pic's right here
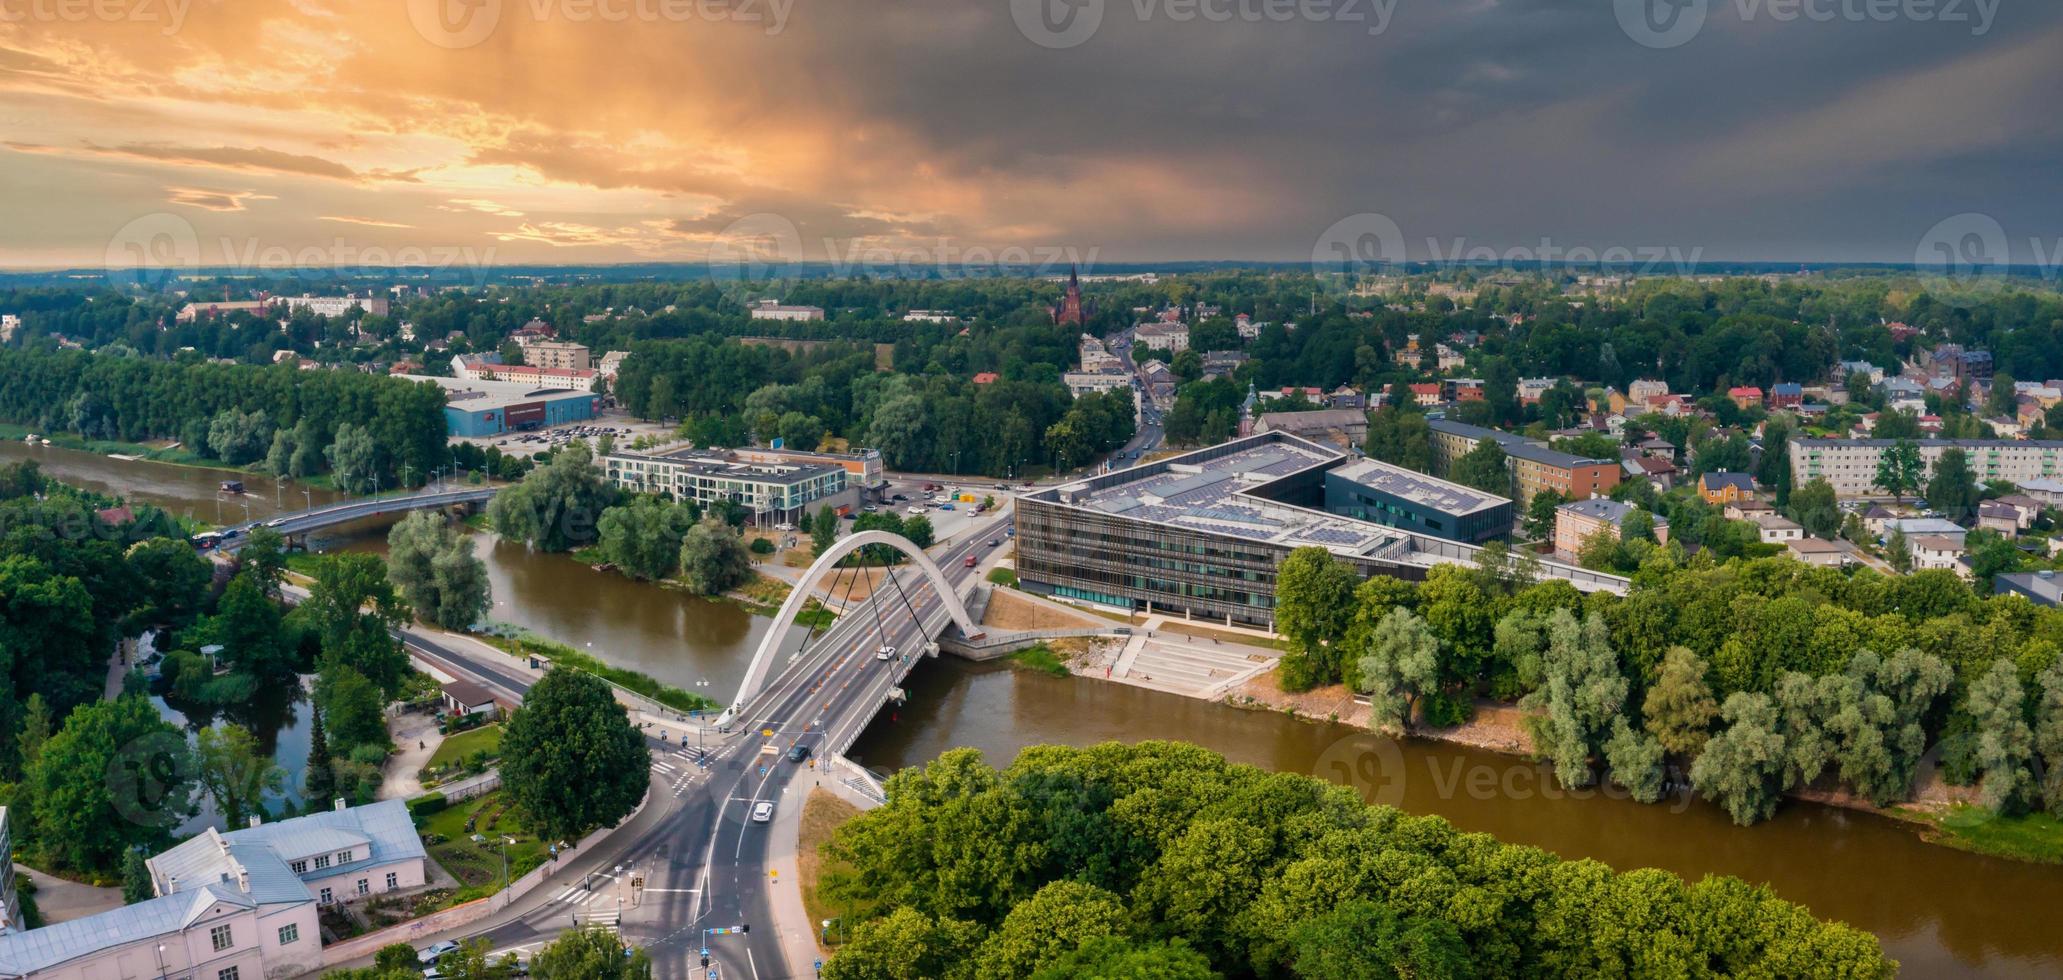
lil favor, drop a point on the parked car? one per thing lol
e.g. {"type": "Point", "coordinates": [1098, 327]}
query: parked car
{"type": "Point", "coordinates": [762, 812]}
{"type": "Point", "coordinates": [995, 542]}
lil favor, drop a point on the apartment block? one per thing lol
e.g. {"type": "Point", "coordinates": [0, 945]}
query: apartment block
{"type": "Point", "coordinates": [1851, 464]}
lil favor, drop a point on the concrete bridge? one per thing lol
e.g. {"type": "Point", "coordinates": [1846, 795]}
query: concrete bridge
{"type": "Point", "coordinates": [303, 523]}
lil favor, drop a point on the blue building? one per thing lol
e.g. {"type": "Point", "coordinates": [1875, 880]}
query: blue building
{"type": "Point", "coordinates": [1375, 491]}
{"type": "Point", "coordinates": [491, 408]}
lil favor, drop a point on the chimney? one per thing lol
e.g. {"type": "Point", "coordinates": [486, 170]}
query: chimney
{"type": "Point", "coordinates": [340, 804]}
{"type": "Point", "coordinates": [256, 820]}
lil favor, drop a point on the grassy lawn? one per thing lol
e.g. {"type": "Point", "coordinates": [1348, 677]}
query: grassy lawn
{"type": "Point", "coordinates": [561, 654]}
{"type": "Point", "coordinates": [822, 814]}
{"type": "Point", "coordinates": [1003, 576]}
{"type": "Point", "coordinates": [459, 747]}
{"type": "Point", "coordinates": [478, 866]}
{"type": "Point", "coordinates": [1040, 658]}
{"type": "Point", "coordinates": [2034, 836]}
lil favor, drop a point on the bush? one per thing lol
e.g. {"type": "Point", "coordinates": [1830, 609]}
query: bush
{"type": "Point", "coordinates": [762, 546]}
{"type": "Point", "coordinates": [426, 805]}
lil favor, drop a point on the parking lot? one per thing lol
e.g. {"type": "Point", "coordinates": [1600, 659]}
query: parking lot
{"type": "Point", "coordinates": [622, 426]}
{"type": "Point", "coordinates": [946, 523]}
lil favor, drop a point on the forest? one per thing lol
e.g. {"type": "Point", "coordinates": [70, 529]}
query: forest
{"type": "Point", "coordinates": [1163, 860]}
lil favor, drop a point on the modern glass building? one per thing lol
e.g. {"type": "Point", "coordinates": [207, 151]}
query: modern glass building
{"type": "Point", "coordinates": [1201, 535]}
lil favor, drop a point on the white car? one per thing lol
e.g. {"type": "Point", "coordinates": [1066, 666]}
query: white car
{"type": "Point", "coordinates": [885, 653]}
{"type": "Point", "coordinates": [275, 522]}
{"type": "Point", "coordinates": [762, 812]}
{"type": "Point", "coordinates": [435, 951]}
{"type": "Point", "coordinates": [784, 527]}
{"type": "Point", "coordinates": [914, 511]}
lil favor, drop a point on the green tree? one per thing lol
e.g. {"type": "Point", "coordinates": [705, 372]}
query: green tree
{"type": "Point", "coordinates": [1363, 940]}
{"type": "Point", "coordinates": [351, 608]}
{"type": "Point", "coordinates": [1742, 768]}
{"type": "Point", "coordinates": [801, 432]}
{"type": "Point", "coordinates": [1540, 513]}
{"type": "Point", "coordinates": [353, 459]}
{"type": "Point", "coordinates": [713, 558]}
{"type": "Point", "coordinates": [353, 708]}
{"type": "Point", "coordinates": [247, 623]}
{"type": "Point", "coordinates": [1898, 552]}
{"type": "Point", "coordinates": [1116, 956]}
{"type": "Point", "coordinates": [1484, 468]}
{"type": "Point", "coordinates": [1055, 921]}
{"type": "Point", "coordinates": [1399, 664]}
{"type": "Point", "coordinates": [317, 785]}
{"type": "Point", "coordinates": [2048, 736]}
{"type": "Point", "coordinates": [918, 530]}
{"type": "Point", "coordinates": [1399, 434]}
{"type": "Point", "coordinates": [591, 954]}
{"type": "Point", "coordinates": [264, 555]}
{"type": "Point", "coordinates": [643, 537]}
{"type": "Point", "coordinates": [1814, 506]}
{"type": "Point", "coordinates": [115, 776]}
{"type": "Point", "coordinates": [136, 884]}
{"type": "Point", "coordinates": [2004, 742]}
{"type": "Point", "coordinates": [1582, 690]}
{"type": "Point", "coordinates": [1952, 489]}
{"type": "Point", "coordinates": [432, 565]}
{"type": "Point", "coordinates": [905, 944]}
{"type": "Point", "coordinates": [1314, 604]}
{"type": "Point", "coordinates": [235, 773]}
{"type": "Point", "coordinates": [571, 732]}
{"type": "Point", "coordinates": [1899, 468]}
{"type": "Point", "coordinates": [823, 532]}
{"type": "Point", "coordinates": [175, 582]}
{"type": "Point", "coordinates": [237, 437]}
{"type": "Point", "coordinates": [1876, 716]}
{"type": "Point", "coordinates": [557, 506]}
{"type": "Point", "coordinates": [1679, 708]}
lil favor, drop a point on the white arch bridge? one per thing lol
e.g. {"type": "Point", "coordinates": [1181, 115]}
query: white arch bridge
{"type": "Point", "coordinates": [827, 564]}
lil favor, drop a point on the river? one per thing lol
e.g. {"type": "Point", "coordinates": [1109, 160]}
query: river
{"type": "Point", "coordinates": [1938, 910]}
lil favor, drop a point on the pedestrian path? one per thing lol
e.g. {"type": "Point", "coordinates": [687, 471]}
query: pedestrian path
{"type": "Point", "coordinates": [1178, 663]}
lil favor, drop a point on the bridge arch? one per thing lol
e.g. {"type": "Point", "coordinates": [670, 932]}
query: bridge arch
{"type": "Point", "coordinates": [784, 621]}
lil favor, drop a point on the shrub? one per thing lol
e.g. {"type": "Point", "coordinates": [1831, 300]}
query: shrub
{"type": "Point", "coordinates": [426, 805]}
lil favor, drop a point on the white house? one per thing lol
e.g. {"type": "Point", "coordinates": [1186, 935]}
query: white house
{"type": "Point", "coordinates": [1778, 529]}
{"type": "Point", "coordinates": [233, 906]}
{"type": "Point", "coordinates": [1937, 551]}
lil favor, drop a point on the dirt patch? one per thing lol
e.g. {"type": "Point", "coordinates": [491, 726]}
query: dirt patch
{"type": "Point", "coordinates": [1010, 610]}
{"type": "Point", "coordinates": [822, 814]}
{"type": "Point", "coordinates": [1496, 726]}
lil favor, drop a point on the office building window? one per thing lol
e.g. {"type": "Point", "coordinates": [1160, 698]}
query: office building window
{"type": "Point", "coordinates": [322, 861]}
{"type": "Point", "coordinates": [289, 934]}
{"type": "Point", "coordinates": [220, 937]}
{"type": "Point", "coordinates": [300, 867]}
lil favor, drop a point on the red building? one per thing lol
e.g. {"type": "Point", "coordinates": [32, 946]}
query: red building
{"type": "Point", "coordinates": [1070, 312]}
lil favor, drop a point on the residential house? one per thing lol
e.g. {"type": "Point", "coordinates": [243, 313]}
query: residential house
{"type": "Point", "coordinates": [1425, 394]}
{"type": "Point", "coordinates": [1172, 337]}
{"type": "Point", "coordinates": [1530, 389]}
{"type": "Point", "coordinates": [1778, 529]}
{"type": "Point", "coordinates": [1448, 359]}
{"type": "Point", "coordinates": [2040, 587]}
{"type": "Point", "coordinates": [1747, 509]}
{"type": "Point", "coordinates": [1345, 396]}
{"type": "Point", "coordinates": [1645, 388]}
{"type": "Point", "coordinates": [1995, 516]}
{"type": "Point", "coordinates": [1466, 389]}
{"type": "Point", "coordinates": [1656, 447]}
{"type": "Point", "coordinates": [1660, 473]}
{"type": "Point", "coordinates": [1745, 396]}
{"type": "Point", "coordinates": [1578, 521]}
{"type": "Point", "coordinates": [463, 697]}
{"type": "Point", "coordinates": [1929, 527]}
{"type": "Point", "coordinates": [1725, 488]}
{"type": "Point", "coordinates": [1786, 395]}
{"type": "Point", "coordinates": [1936, 551]}
{"type": "Point", "coordinates": [1826, 554]}
{"type": "Point", "coordinates": [1848, 369]}
{"type": "Point", "coordinates": [2026, 509]}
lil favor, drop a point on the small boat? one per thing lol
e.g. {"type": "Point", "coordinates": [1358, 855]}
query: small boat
{"type": "Point", "coordinates": [232, 486]}
{"type": "Point", "coordinates": [30, 438]}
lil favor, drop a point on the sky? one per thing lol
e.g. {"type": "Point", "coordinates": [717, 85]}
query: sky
{"type": "Point", "coordinates": [878, 133]}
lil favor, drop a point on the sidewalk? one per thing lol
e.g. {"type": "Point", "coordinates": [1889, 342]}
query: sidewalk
{"type": "Point", "coordinates": [62, 900]}
{"type": "Point", "coordinates": [417, 737]}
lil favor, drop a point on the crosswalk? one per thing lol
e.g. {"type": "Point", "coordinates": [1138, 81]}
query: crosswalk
{"type": "Point", "coordinates": [596, 893]}
{"type": "Point", "coordinates": [679, 771]}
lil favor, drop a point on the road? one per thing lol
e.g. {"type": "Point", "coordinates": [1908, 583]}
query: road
{"type": "Point", "coordinates": [302, 522]}
{"type": "Point", "coordinates": [1150, 434]}
{"type": "Point", "coordinates": [703, 861]}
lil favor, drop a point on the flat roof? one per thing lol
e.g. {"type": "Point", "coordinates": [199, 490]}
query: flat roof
{"type": "Point", "coordinates": [475, 396]}
{"type": "Point", "coordinates": [1426, 491]}
{"type": "Point", "coordinates": [1209, 495]}
{"type": "Point", "coordinates": [705, 463]}
{"type": "Point", "coordinates": [1930, 443]}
